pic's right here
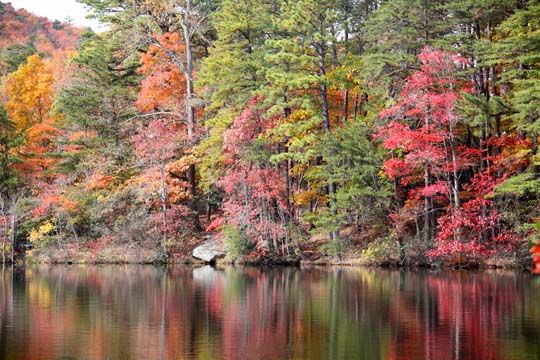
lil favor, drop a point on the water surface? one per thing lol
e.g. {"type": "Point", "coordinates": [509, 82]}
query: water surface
{"type": "Point", "coordinates": [145, 312]}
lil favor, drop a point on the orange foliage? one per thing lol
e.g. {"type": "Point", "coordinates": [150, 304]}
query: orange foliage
{"type": "Point", "coordinates": [51, 199]}
{"type": "Point", "coordinates": [21, 26]}
{"type": "Point", "coordinates": [62, 67]}
{"type": "Point", "coordinates": [30, 93]}
{"type": "Point", "coordinates": [165, 83]}
{"type": "Point", "coordinates": [98, 182]}
{"type": "Point", "coordinates": [149, 182]}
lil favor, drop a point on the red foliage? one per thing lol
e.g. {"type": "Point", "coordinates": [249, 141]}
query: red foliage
{"type": "Point", "coordinates": [428, 160]}
{"type": "Point", "coordinates": [256, 200]}
{"type": "Point", "coordinates": [422, 133]}
{"type": "Point", "coordinates": [478, 222]}
{"type": "Point", "coordinates": [179, 219]}
{"type": "Point", "coordinates": [52, 199]}
{"type": "Point", "coordinates": [157, 141]}
{"type": "Point", "coordinates": [423, 124]}
{"type": "Point", "coordinates": [157, 144]}
{"type": "Point", "coordinates": [535, 254]}
{"type": "Point", "coordinates": [216, 224]}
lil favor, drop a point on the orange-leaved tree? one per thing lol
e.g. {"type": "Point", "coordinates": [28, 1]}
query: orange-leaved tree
{"type": "Point", "coordinates": [30, 93]}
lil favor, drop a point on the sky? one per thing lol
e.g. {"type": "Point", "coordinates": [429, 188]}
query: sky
{"type": "Point", "coordinates": [57, 10]}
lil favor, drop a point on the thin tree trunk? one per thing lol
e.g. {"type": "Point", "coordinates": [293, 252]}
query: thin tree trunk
{"type": "Point", "coordinates": [346, 105]}
{"type": "Point", "coordinates": [364, 103]}
{"type": "Point", "coordinates": [4, 239]}
{"type": "Point", "coordinates": [12, 237]}
{"type": "Point", "coordinates": [495, 92]}
{"type": "Point", "coordinates": [455, 190]}
{"type": "Point", "coordinates": [346, 29]}
{"type": "Point", "coordinates": [288, 180]}
{"type": "Point", "coordinates": [163, 205]}
{"type": "Point", "coordinates": [427, 203]}
{"type": "Point", "coordinates": [356, 100]}
{"type": "Point", "coordinates": [326, 123]}
{"type": "Point", "coordinates": [190, 109]}
{"type": "Point", "coordinates": [427, 220]}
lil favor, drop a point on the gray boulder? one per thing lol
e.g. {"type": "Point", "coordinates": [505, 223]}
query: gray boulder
{"type": "Point", "coordinates": [209, 251]}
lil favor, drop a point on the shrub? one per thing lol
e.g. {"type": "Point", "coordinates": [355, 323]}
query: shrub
{"type": "Point", "coordinates": [237, 243]}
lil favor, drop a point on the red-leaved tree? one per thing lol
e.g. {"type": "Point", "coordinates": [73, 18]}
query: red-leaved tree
{"type": "Point", "coordinates": [427, 158]}
{"type": "Point", "coordinates": [255, 204]}
{"type": "Point", "coordinates": [157, 144]}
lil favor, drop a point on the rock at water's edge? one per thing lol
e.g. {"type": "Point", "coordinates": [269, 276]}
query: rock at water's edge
{"type": "Point", "coordinates": [209, 251]}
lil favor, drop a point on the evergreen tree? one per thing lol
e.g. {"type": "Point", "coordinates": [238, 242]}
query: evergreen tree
{"type": "Point", "coordinates": [14, 55]}
{"type": "Point", "coordinates": [231, 73]}
{"type": "Point", "coordinates": [353, 161]}
{"type": "Point", "coordinates": [10, 139]}
{"type": "Point", "coordinates": [100, 98]}
{"type": "Point", "coordinates": [519, 52]}
{"type": "Point", "coordinates": [394, 34]}
{"type": "Point", "coordinates": [298, 79]}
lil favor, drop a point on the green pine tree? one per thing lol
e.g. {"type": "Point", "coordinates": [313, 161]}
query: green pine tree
{"type": "Point", "coordinates": [230, 75]}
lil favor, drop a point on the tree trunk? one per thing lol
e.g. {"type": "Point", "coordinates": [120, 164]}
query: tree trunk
{"type": "Point", "coordinates": [495, 92]}
{"type": "Point", "coordinates": [208, 212]}
{"type": "Point", "coordinates": [356, 100]}
{"type": "Point", "coordinates": [4, 239]}
{"type": "Point", "coordinates": [326, 122]}
{"type": "Point", "coordinates": [455, 189]}
{"type": "Point", "coordinates": [12, 236]}
{"type": "Point", "coordinates": [163, 205]}
{"type": "Point", "coordinates": [427, 220]}
{"type": "Point", "coordinates": [190, 108]}
{"type": "Point", "coordinates": [288, 180]}
{"type": "Point", "coordinates": [346, 105]}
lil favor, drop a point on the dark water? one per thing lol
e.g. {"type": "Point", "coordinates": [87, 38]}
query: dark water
{"type": "Point", "coordinates": [144, 312]}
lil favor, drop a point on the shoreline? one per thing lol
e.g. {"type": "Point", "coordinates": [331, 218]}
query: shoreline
{"type": "Point", "coordinates": [283, 262]}
{"type": "Point", "coordinates": [309, 256]}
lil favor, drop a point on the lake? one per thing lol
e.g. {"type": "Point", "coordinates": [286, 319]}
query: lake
{"type": "Point", "coordinates": [182, 312]}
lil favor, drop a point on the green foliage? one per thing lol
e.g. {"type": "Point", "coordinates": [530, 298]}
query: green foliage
{"type": "Point", "coordinates": [238, 244]}
{"type": "Point", "coordinates": [533, 231]}
{"type": "Point", "coordinates": [394, 34]}
{"type": "Point", "coordinates": [231, 74]}
{"type": "Point", "coordinates": [519, 197]}
{"type": "Point", "coordinates": [10, 140]}
{"type": "Point", "coordinates": [100, 97]}
{"type": "Point", "coordinates": [519, 50]}
{"type": "Point", "coordinates": [381, 250]}
{"type": "Point", "coordinates": [353, 161]}
{"type": "Point", "coordinates": [300, 57]}
{"type": "Point", "coordinates": [479, 110]}
{"type": "Point", "coordinates": [525, 184]}
{"type": "Point", "coordinates": [232, 71]}
{"type": "Point", "coordinates": [405, 27]}
{"type": "Point", "coordinates": [14, 55]}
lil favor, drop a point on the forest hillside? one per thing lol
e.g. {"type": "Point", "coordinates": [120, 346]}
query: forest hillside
{"type": "Point", "coordinates": [397, 132]}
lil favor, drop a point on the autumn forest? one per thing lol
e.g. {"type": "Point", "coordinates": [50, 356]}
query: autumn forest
{"type": "Point", "coordinates": [399, 132]}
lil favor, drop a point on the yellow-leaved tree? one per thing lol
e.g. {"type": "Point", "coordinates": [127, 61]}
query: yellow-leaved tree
{"type": "Point", "coordinates": [30, 93]}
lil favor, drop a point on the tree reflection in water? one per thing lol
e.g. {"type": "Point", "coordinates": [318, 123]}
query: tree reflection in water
{"type": "Point", "coordinates": [145, 312]}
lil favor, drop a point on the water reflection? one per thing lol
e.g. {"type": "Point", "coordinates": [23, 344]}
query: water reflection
{"type": "Point", "coordinates": [144, 312]}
